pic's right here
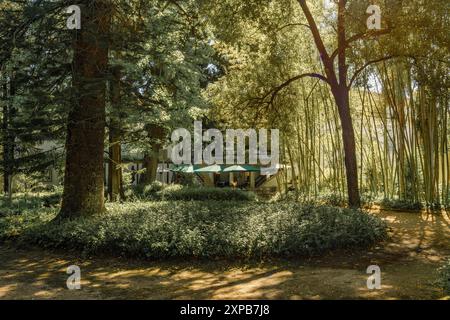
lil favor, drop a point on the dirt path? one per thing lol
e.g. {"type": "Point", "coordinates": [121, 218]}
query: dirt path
{"type": "Point", "coordinates": [408, 262]}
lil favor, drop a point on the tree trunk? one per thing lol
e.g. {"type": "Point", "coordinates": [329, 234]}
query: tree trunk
{"type": "Point", "coordinates": [114, 168]}
{"type": "Point", "coordinates": [115, 186]}
{"type": "Point", "coordinates": [151, 159]}
{"type": "Point", "coordinates": [341, 96]}
{"type": "Point", "coordinates": [84, 176]}
{"type": "Point", "coordinates": [151, 165]}
{"type": "Point", "coordinates": [8, 137]}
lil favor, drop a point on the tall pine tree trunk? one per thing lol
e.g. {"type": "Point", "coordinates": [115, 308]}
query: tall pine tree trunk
{"type": "Point", "coordinates": [84, 176]}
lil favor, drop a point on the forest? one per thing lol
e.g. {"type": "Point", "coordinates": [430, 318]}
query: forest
{"type": "Point", "coordinates": [348, 100]}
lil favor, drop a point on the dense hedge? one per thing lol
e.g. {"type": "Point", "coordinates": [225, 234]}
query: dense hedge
{"type": "Point", "coordinates": [201, 229]}
{"type": "Point", "coordinates": [156, 191]}
{"type": "Point", "coordinates": [402, 205]}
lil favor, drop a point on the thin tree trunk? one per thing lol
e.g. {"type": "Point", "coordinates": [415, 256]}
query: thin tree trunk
{"type": "Point", "coordinates": [115, 189]}
{"type": "Point", "coordinates": [151, 159]}
{"type": "Point", "coordinates": [8, 143]}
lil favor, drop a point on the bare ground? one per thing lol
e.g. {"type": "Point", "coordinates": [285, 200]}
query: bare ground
{"type": "Point", "coordinates": [418, 244]}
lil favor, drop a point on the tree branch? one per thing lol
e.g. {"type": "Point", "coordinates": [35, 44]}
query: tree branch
{"type": "Point", "coordinates": [293, 25]}
{"type": "Point", "coordinates": [357, 73]}
{"type": "Point", "coordinates": [359, 36]}
{"type": "Point", "coordinates": [274, 92]}
{"type": "Point", "coordinates": [325, 57]}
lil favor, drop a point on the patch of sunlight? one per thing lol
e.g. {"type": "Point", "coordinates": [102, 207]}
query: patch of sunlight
{"type": "Point", "coordinates": [7, 289]}
{"type": "Point", "coordinates": [391, 219]}
{"type": "Point", "coordinates": [131, 273]}
{"type": "Point", "coordinates": [265, 286]}
{"type": "Point", "coordinates": [44, 276]}
{"type": "Point", "coordinates": [189, 274]}
{"type": "Point", "coordinates": [44, 294]}
{"type": "Point", "coordinates": [122, 286]}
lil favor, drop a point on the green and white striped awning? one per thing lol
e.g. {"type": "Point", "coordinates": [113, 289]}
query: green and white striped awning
{"type": "Point", "coordinates": [215, 168]}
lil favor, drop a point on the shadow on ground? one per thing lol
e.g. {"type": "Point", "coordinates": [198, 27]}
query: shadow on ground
{"type": "Point", "coordinates": [418, 244]}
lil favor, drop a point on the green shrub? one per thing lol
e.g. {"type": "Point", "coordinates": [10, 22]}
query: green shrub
{"type": "Point", "coordinates": [52, 200]}
{"type": "Point", "coordinates": [333, 199]}
{"type": "Point", "coordinates": [399, 204]}
{"type": "Point", "coordinates": [324, 199]}
{"type": "Point", "coordinates": [202, 229]}
{"type": "Point", "coordinates": [445, 276]}
{"type": "Point", "coordinates": [23, 211]}
{"type": "Point", "coordinates": [14, 224]}
{"type": "Point", "coordinates": [153, 188]}
{"type": "Point", "coordinates": [145, 191]}
{"type": "Point", "coordinates": [156, 191]}
{"type": "Point", "coordinates": [183, 193]}
{"type": "Point", "coordinates": [23, 201]}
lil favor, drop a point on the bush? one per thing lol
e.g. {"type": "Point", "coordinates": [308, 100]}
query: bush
{"type": "Point", "coordinates": [398, 204]}
{"type": "Point", "coordinates": [24, 201]}
{"type": "Point", "coordinates": [14, 224]}
{"type": "Point", "coordinates": [23, 211]}
{"type": "Point", "coordinates": [324, 199]}
{"type": "Point", "coordinates": [143, 191]}
{"type": "Point", "coordinates": [156, 191]}
{"type": "Point", "coordinates": [177, 192]}
{"type": "Point", "coordinates": [445, 276]}
{"type": "Point", "coordinates": [203, 229]}
{"type": "Point", "coordinates": [333, 199]}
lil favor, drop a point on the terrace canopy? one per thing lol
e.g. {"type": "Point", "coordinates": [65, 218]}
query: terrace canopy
{"type": "Point", "coordinates": [185, 168]}
{"type": "Point", "coordinates": [215, 168]}
{"type": "Point", "coordinates": [242, 168]}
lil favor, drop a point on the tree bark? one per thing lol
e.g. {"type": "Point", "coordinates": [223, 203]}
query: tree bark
{"type": "Point", "coordinates": [84, 173]}
{"type": "Point", "coordinates": [151, 159]}
{"type": "Point", "coordinates": [8, 144]}
{"type": "Point", "coordinates": [115, 185]}
{"type": "Point", "coordinates": [151, 165]}
{"type": "Point", "coordinates": [341, 95]}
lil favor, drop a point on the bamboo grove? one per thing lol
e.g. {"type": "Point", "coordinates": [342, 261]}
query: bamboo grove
{"type": "Point", "coordinates": [399, 103]}
{"type": "Point", "coordinates": [402, 141]}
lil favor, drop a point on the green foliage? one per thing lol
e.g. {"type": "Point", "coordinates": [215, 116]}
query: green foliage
{"type": "Point", "coordinates": [161, 49]}
{"type": "Point", "coordinates": [22, 212]}
{"type": "Point", "coordinates": [177, 192]}
{"type": "Point", "coordinates": [142, 191]}
{"type": "Point", "coordinates": [200, 229]}
{"type": "Point", "coordinates": [445, 276]}
{"type": "Point", "coordinates": [322, 199]}
{"type": "Point", "coordinates": [400, 204]}
{"type": "Point", "coordinates": [152, 188]}
{"type": "Point", "coordinates": [156, 191]}
{"type": "Point", "coordinates": [24, 201]}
